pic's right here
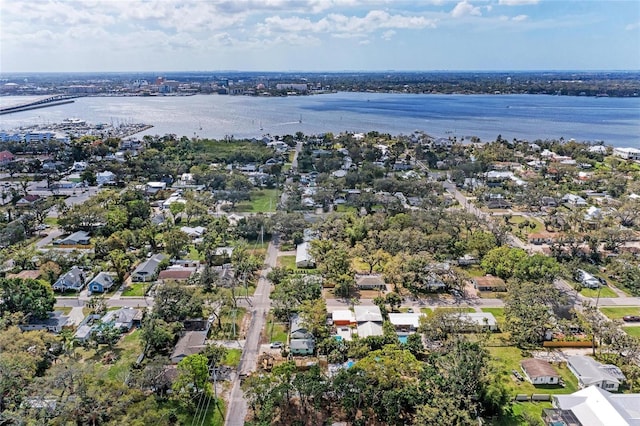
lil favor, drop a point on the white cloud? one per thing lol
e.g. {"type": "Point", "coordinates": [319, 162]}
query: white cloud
{"type": "Point", "coordinates": [632, 27]}
{"type": "Point", "coordinates": [517, 2]}
{"type": "Point", "coordinates": [338, 24]}
{"type": "Point", "coordinates": [464, 8]}
{"type": "Point", "coordinates": [520, 18]}
{"type": "Point", "coordinates": [388, 35]}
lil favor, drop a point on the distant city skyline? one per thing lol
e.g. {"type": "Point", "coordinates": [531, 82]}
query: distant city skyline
{"type": "Point", "coordinates": [318, 35]}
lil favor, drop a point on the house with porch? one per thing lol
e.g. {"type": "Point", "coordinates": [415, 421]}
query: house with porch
{"type": "Point", "coordinates": [147, 270]}
{"type": "Point", "coordinates": [593, 373]}
{"type": "Point", "coordinates": [73, 280]}
{"type": "Point", "coordinates": [101, 283]}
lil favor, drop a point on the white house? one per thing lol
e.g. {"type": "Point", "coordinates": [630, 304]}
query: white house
{"type": "Point", "coordinates": [627, 153]}
{"type": "Point", "coordinates": [593, 373]}
{"type": "Point", "coordinates": [406, 322]}
{"type": "Point", "coordinates": [369, 319]}
{"type": "Point", "coordinates": [303, 257]}
{"type": "Point", "coordinates": [539, 372]}
{"type": "Point", "coordinates": [594, 406]}
{"type": "Point", "coordinates": [574, 200]}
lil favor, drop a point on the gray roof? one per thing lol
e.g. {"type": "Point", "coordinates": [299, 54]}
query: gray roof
{"type": "Point", "coordinates": [73, 279]}
{"type": "Point", "coordinates": [76, 236]}
{"type": "Point", "coordinates": [367, 313]}
{"type": "Point", "coordinates": [192, 342]}
{"type": "Point", "coordinates": [104, 279]}
{"type": "Point", "coordinates": [150, 266]}
{"type": "Point", "coordinates": [590, 371]}
{"type": "Point", "coordinates": [594, 406]}
{"type": "Point", "coordinates": [122, 317]}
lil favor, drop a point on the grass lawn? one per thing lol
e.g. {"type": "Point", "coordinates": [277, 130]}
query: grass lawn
{"type": "Point", "coordinates": [194, 254]}
{"type": "Point", "coordinates": [604, 292]}
{"type": "Point", "coordinates": [619, 312]}
{"type": "Point", "coordinates": [517, 220]}
{"type": "Point", "coordinates": [128, 349]}
{"type": "Point", "coordinates": [632, 331]}
{"type": "Point", "coordinates": [262, 201]}
{"type": "Point", "coordinates": [51, 221]}
{"type": "Point", "coordinates": [276, 331]}
{"type": "Point", "coordinates": [288, 262]}
{"type": "Point", "coordinates": [498, 313]}
{"type": "Point", "coordinates": [135, 290]}
{"type": "Point", "coordinates": [474, 271]}
{"type": "Point", "coordinates": [346, 209]}
{"type": "Point", "coordinates": [228, 319]}
{"type": "Point", "coordinates": [64, 309]}
{"type": "Point", "coordinates": [232, 358]}
{"type": "Point", "coordinates": [213, 417]}
{"type": "Point", "coordinates": [518, 412]}
{"type": "Point", "coordinates": [507, 358]}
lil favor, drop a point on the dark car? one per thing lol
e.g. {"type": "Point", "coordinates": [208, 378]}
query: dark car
{"type": "Point", "coordinates": [631, 318]}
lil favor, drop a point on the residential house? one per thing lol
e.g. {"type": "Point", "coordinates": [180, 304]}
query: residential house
{"type": "Point", "coordinates": [539, 372]}
{"type": "Point", "coordinates": [79, 166]}
{"type": "Point", "coordinates": [301, 341]}
{"type": "Point", "coordinates": [593, 406]}
{"type": "Point", "coordinates": [489, 283]}
{"type": "Point", "coordinates": [53, 323]}
{"type": "Point", "coordinates": [484, 320]}
{"type": "Point", "coordinates": [101, 283]}
{"type": "Point", "coordinates": [73, 279]}
{"type": "Point", "coordinates": [124, 318]}
{"type": "Point", "coordinates": [542, 237]}
{"type": "Point", "coordinates": [627, 153]}
{"type": "Point", "coordinates": [303, 257]}
{"type": "Point", "coordinates": [301, 347]}
{"type": "Point", "coordinates": [194, 232]}
{"type": "Point", "coordinates": [78, 238]}
{"type": "Point", "coordinates": [343, 317]}
{"type": "Point", "coordinates": [174, 273]}
{"type": "Point", "coordinates": [6, 157]}
{"type": "Point", "coordinates": [592, 373]}
{"type": "Point", "coordinates": [598, 149]}
{"type": "Point", "coordinates": [222, 255]}
{"type": "Point", "coordinates": [370, 282]}
{"type": "Point", "coordinates": [574, 200]}
{"type": "Point", "coordinates": [28, 200]}
{"type": "Point", "coordinates": [153, 187]}
{"type": "Point", "coordinates": [369, 319]}
{"type": "Point", "coordinates": [497, 203]}
{"type": "Point", "coordinates": [147, 270]}
{"type": "Point", "coordinates": [405, 322]}
{"type": "Point", "coordinates": [105, 178]}
{"type": "Point", "coordinates": [192, 342]}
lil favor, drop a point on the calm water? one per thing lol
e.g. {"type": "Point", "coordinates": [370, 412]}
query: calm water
{"type": "Point", "coordinates": [615, 121]}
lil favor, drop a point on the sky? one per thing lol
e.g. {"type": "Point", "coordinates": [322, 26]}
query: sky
{"type": "Point", "coordinates": [318, 35]}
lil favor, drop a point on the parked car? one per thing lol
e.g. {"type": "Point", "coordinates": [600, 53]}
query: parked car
{"type": "Point", "coordinates": [517, 375]}
{"type": "Point", "coordinates": [631, 318]}
{"type": "Point", "coordinates": [276, 345]}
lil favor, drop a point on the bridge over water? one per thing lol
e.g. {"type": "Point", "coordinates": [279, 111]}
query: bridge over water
{"type": "Point", "coordinates": [38, 103]}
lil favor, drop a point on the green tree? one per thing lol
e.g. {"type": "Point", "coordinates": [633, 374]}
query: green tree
{"type": "Point", "coordinates": [29, 297]}
{"type": "Point", "coordinates": [175, 241]}
{"type": "Point", "coordinates": [193, 379]}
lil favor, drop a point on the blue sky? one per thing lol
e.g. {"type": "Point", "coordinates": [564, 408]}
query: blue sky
{"type": "Point", "coordinates": [318, 35]}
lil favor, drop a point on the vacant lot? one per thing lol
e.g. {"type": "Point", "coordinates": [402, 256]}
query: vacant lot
{"type": "Point", "coordinates": [619, 312]}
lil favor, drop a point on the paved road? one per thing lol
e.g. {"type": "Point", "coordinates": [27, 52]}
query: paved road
{"type": "Point", "coordinates": [237, 409]}
{"type": "Point", "coordinates": [561, 284]}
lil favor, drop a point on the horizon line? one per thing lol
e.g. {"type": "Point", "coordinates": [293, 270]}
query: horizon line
{"type": "Point", "coordinates": [328, 71]}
